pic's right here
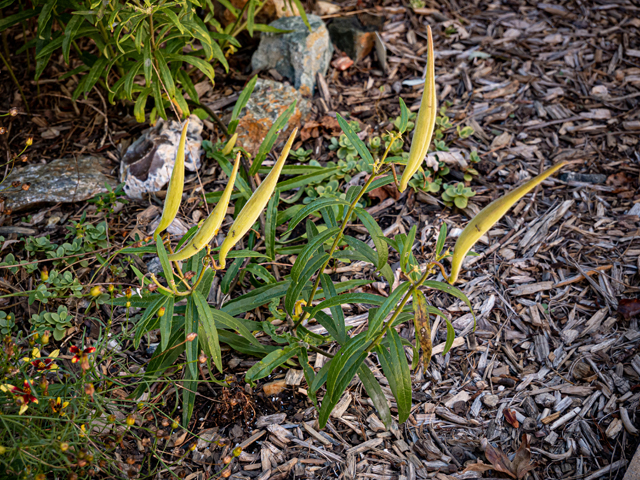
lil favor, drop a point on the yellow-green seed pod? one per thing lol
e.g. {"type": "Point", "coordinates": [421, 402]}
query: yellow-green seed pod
{"type": "Point", "coordinates": [211, 225]}
{"type": "Point", "coordinates": [488, 216]}
{"type": "Point", "coordinates": [228, 148]}
{"type": "Point", "coordinates": [426, 119]}
{"type": "Point", "coordinates": [256, 204]}
{"type": "Point", "coordinates": [176, 185]}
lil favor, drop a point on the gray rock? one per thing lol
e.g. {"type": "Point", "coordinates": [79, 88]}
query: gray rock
{"type": "Point", "coordinates": [352, 37]}
{"type": "Point", "coordinates": [61, 181]}
{"type": "Point", "coordinates": [154, 266]}
{"type": "Point", "coordinates": [268, 100]}
{"type": "Point", "coordinates": [147, 164]}
{"type": "Point", "coordinates": [298, 55]}
{"type": "Point", "coordinates": [490, 400]}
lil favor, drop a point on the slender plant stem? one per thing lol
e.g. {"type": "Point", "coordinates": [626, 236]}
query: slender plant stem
{"type": "Point", "coordinates": [320, 351]}
{"type": "Point", "coordinates": [352, 207]}
{"type": "Point", "coordinates": [404, 301]}
{"type": "Point", "coordinates": [333, 248]}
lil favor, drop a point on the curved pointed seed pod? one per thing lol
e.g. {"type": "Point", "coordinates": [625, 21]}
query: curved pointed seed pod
{"type": "Point", "coordinates": [211, 225]}
{"type": "Point", "coordinates": [256, 204]}
{"type": "Point", "coordinates": [426, 119]}
{"type": "Point", "coordinates": [488, 216]}
{"type": "Point", "coordinates": [228, 148]}
{"type": "Point", "coordinates": [176, 185]}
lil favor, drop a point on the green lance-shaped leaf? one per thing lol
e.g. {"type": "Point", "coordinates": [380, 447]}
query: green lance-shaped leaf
{"type": "Point", "coordinates": [426, 119]}
{"type": "Point", "coordinates": [255, 205]}
{"type": "Point", "coordinates": [176, 185]}
{"type": "Point", "coordinates": [211, 225]}
{"type": "Point", "coordinates": [488, 216]}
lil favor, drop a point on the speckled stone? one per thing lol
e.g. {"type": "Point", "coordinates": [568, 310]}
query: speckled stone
{"type": "Point", "coordinates": [268, 100]}
{"type": "Point", "coordinates": [65, 180]}
{"type": "Point", "coordinates": [298, 55]}
{"type": "Point", "coordinates": [148, 162]}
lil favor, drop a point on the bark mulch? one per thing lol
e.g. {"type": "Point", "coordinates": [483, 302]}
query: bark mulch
{"type": "Point", "coordinates": [548, 383]}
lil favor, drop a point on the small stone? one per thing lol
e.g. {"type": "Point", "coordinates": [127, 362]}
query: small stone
{"type": "Point", "coordinates": [268, 100]}
{"type": "Point", "coordinates": [148, 162]}
{"type": "Point", "coordinates": [490, 400]}
{"type": "Point", "coordinates": [507, 253]}
{"type": "Point", "coordinates": [64, 180]}
{"type": "Point", "coordinates": [352, 37]}
{"type": "Point", "coordinates": [600, 91]}
{"type": "Point", "coordinates": [298, 55]}
{"type": "Point", "coordinates": [151, 349]}
{"type": "Point", "coordinates": [274, 388]}
{"type": "Point", "coordinates": [154, 266]}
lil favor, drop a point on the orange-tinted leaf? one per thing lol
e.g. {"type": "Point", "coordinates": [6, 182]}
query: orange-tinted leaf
{"type": "Point", "coordinates": [510, 416]}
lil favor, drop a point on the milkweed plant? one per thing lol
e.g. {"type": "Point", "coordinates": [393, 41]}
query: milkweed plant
{"type": "Point", "coordinates": [309, 293]}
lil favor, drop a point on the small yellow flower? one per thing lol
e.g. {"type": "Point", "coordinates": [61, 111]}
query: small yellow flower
{"type": "Point", "coordinates": [29, 141]}
{"type": "Point", "coordinates": [96, 291]}
{"type": "Point", "coordinates": [42, 364]}
{"type": "Point", "coordinates": [58, 406]}
{"type": "Point", "coordinates": [298, 308]}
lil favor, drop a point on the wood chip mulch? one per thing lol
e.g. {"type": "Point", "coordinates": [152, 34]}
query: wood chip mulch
{"type": "Point", "coordinates": [552, 370]}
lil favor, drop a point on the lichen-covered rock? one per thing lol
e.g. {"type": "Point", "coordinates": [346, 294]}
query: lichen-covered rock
{"type": "Point", "coordinates": [147, 164]}
{"type": "Point", "coordinates": [268, 100]}
{"type": "Point", "coordinates": [298, 55]}
{"type": "Point", "coordinates": [61, 181]}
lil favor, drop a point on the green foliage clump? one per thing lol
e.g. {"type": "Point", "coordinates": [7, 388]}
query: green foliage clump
{"type": "Point", "coordinates": [137, 50]}
{"type": "Point", "coordinates": [458, 195]}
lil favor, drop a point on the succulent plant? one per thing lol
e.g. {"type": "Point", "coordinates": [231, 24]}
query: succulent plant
{"type": "Point", "coordinates": [458, 195]}
{"type": "Point", "coordinates": [55, 322]}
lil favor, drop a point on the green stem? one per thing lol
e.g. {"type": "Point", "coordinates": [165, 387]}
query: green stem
{"type": "Point", "coordinates": [336, 242]}
{"type": "Point", "coordinates": [404, 301]}
{"type": "Point", "coordinates": [244, 25]}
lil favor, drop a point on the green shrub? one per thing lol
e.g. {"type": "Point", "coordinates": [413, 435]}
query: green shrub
{"type": "Point", "coordinates": [136, 49]}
